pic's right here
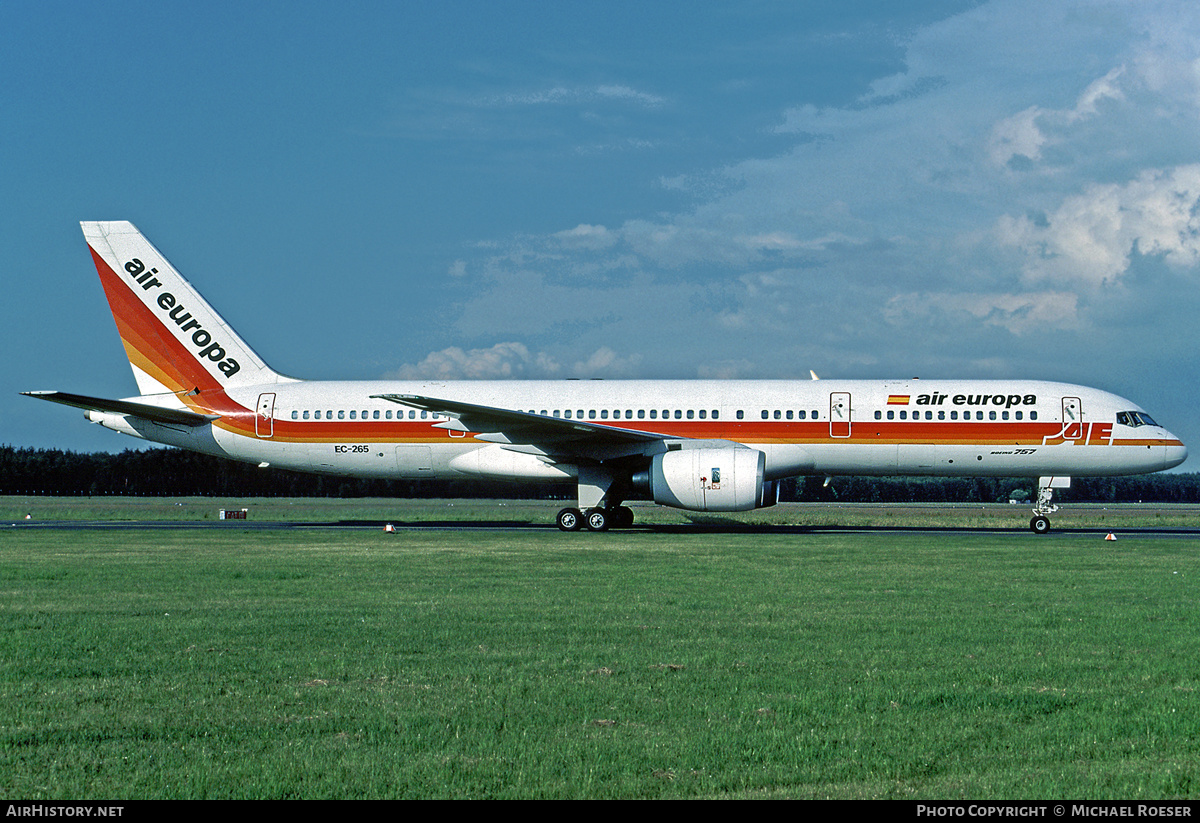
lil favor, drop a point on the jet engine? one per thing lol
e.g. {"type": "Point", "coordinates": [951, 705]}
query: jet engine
{"type": "Point", "coordinates": [721, 479]}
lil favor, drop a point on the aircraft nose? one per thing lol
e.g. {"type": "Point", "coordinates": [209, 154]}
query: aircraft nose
{"type": "Point", "coordinates": [1174, 455]}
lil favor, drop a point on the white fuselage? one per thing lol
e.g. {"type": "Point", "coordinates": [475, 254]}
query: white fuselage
{"type": "Point", "coordinates": [827, 427]}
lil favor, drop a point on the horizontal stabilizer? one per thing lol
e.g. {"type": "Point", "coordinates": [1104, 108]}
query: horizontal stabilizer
{"type": "Point", "coordinates": [157, 414]}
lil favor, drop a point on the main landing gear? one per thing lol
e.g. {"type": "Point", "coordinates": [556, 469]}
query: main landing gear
{"type": "Point", "coordinates": [595, 520]}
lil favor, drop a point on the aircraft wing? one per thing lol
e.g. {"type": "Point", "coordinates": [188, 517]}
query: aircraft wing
{"type": "Point", "coordinates": [542, 434]}
{"type": "Point", "coordinates": [157, 414]}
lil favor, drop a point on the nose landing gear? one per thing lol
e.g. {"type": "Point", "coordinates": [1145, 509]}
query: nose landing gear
{"type": "Point", "coordinates": [1040, 523]}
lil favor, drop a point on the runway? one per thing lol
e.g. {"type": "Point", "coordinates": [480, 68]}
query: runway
{"type": "Point", "coordinates": [705, 528]}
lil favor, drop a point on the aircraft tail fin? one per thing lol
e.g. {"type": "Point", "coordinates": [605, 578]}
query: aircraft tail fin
{"type": "Point", "coordinates": [176, 341]}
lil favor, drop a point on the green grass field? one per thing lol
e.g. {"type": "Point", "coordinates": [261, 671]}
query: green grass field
{"type": "Point", "coordinates": [541, 512]}
{"type": "Point", "coordinates": [337, 663]}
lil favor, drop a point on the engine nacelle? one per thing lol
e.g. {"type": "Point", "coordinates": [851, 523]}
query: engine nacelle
{"type": "Point", "coordinates": [710, 480]}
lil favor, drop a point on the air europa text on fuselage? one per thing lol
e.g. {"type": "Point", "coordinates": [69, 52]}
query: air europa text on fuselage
{"type": "Point", "coordinates": [1005, 400]}
{"type": "Point", "coordinates": [200, 337]}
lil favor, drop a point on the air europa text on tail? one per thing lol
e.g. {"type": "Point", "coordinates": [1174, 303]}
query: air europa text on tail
{"type": "Point", "coordinates": [200, 337]}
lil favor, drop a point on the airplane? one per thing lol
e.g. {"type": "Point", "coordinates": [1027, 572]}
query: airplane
{"type": "Point", "coordinates": [701, 445]}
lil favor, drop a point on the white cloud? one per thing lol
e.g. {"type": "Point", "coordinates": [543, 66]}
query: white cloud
{"type": "Point", "coordinates": [1020, 314]}
{"type": "Point", "coordinates": [616, 92]}
{"type": "Point", "coordinates": [501, 361]}
{"type": "Point", "coordinates": [1024, 134]}
{"type": "Point", "coordinates": [585, 236]}
{"type": "Point", "coordinates": [1017, 136]}
{"type": "Point", "coordinates": [569, 95]}
{"type": "Point", "coordinates": [513, 361]}
{"type": "Point", "coordinates": [1090, 239]}
{"type": "Point", "coordinates": [726, 370]}
{"type": "Point", "coordinates": [604, 362]}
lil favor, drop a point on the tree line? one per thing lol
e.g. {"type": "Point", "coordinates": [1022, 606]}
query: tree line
{"type": "Point", "coordinates": [177, 473]}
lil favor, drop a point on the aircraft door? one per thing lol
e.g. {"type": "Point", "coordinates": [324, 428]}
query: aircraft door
{"type": "Point", "coordinates": [839, 414]}
{"type": "Point", "coordinates": [264, 418]}
{"type": "Point", "coordinates": [414, 461]}
{"type": "Point", "coordinates": [1072, 418]}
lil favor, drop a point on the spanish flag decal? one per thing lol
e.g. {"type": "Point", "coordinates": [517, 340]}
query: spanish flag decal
{"type": "Point", "coordinates": [898, 399]}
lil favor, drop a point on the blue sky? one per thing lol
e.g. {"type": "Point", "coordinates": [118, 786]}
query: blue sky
{"type": "Point", "coordinates": [1002, 189]}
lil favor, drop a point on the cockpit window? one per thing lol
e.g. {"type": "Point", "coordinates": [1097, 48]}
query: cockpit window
{"type": "Point", "coordinates": [1134, 419]}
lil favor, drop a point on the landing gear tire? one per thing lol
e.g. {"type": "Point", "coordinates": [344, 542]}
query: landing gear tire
{"type": "Point", "coordinates": [622, 517]}
{"type": "Point", "coordinates": [598, 520]}
{"type": "Point", "coordinates": [1040, 524]}
{"type": "Point", "coordinates": [570, 520]}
